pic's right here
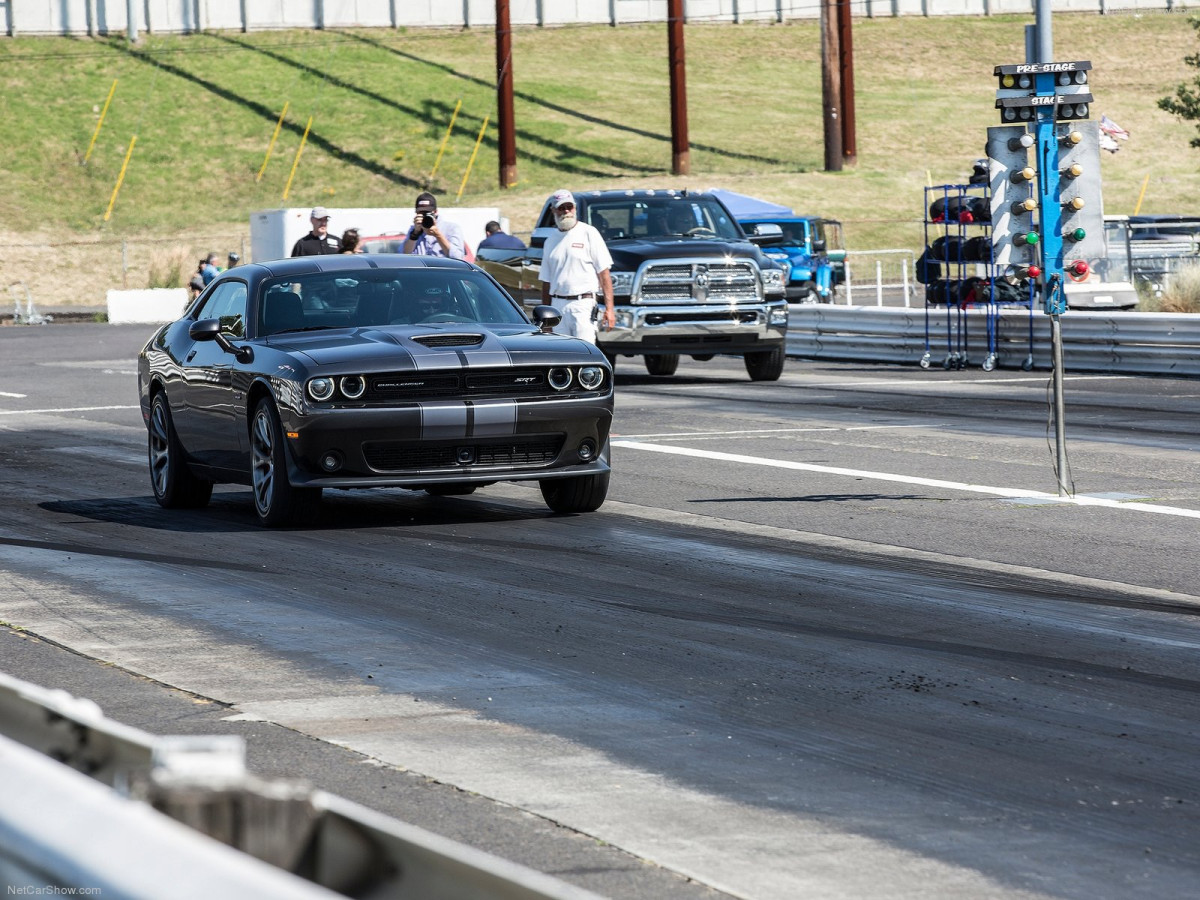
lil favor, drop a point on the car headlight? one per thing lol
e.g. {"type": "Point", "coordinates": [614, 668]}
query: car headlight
{"type": "Point", "coordinates": [622, 283]}
{"type": "Point", "coordinates": [560, 379]}
{"type": "Point", "coordinates": [778, 316]}
{"type": "Point", "coordinates": [624, 318]}
{"type": "Point", "coordinates": [320, 388]}
{"type": "Point", "coordinates": [591, 377]}
{"type": "Point", "coordinates": [353, 386]}
{"type": "Point", "coordinates": [772, 280]}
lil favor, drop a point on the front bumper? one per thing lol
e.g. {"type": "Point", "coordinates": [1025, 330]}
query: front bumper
{"type": "Point", "coordinates": [696, 329]}
{"type": "Point", "coordinates": [447, 442]}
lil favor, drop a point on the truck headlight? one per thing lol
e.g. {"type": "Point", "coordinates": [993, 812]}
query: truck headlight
{"type": "Point", "coordinates": [772, 281]}
{"type": "Point", "coordinates": [624, 318]}
{"type": "Point", "coordinates": [622, 283]}
{"type": "Point", "coordinates": [778, 316]}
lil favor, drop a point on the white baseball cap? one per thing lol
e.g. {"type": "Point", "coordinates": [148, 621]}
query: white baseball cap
{"type": "Point", "coordinates": [561, 198]}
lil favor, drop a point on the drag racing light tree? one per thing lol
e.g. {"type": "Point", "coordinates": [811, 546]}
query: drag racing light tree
{"type": "Point", "coordinates": [1013, 184]}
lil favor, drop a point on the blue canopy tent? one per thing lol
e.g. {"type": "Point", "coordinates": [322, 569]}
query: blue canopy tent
{"type": "Point", "coordinates": [743, 206]}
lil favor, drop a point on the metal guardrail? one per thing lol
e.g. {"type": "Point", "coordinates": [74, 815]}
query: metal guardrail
{"type": "Point", "coordinates": [91, 806]}
{"type": "Point", "coordinates": [1117, 342]}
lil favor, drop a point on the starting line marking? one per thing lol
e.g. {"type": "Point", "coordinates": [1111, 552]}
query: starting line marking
{"type": "Point", "coordinates": [1008, 493]}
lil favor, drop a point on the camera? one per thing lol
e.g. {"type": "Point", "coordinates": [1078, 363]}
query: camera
{"type": "Point", "coordinates": [428, 221]}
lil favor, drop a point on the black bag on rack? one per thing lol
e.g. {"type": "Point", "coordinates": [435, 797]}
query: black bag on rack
{"type": "Point", "coordinates": [949, 248]}
{"type": "Point", "coordinates": [937, 210]}
{"type": "Point", "coordinates": [927, 271]}
{"type": "Point", "coordinates": [978, 249]}
{"type": "Point", "coordinates": [943, 291]}
{"type": "Point", "coordinates": [968, 209]}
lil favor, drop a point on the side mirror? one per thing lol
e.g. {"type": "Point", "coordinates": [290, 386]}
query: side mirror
{"type": "Point", "coordinates": [819, 246]}
{"type": "Point", "coordinates": [546, 317]}
{"type": "Point", "coordinates": [204, 330]}
{"type": "Point", "coordinates": [210, 330]}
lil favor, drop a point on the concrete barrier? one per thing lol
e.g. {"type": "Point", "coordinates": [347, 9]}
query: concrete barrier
{"type": "Point", "coordinates": [150, 306]}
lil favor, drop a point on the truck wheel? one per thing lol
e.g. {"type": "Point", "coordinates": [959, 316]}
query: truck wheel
{"type": "Point", "coordinates": [766, 365]}
{"type": "Point", "coordinates": [809, 293]}
{"type": "Point", "coordinates": [662, 365]}
{"type": "Point", "coordinates": [579, 494]}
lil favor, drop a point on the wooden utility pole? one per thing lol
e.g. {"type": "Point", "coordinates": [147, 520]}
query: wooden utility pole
{"type": "Point", "coordinates": [681, 163]}
{"type": "Point", "coordinates": [831, 86]}
{"type": "Point", "coordinates": [504, 97]}
{"type": "Point", "coordinates": [846, 68]}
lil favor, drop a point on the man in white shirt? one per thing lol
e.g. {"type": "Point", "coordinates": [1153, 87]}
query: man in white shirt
{"type": "Point", "coordinates": [429, 237]}
{"type": "Point", "coordinates": [575, 268]}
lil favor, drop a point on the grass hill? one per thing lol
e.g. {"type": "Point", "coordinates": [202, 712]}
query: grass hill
{"type": "Point", "coordinates": [591, 111]}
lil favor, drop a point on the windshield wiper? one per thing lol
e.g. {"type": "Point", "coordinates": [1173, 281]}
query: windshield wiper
{"type": "Point", "coordinates": [306, 328]}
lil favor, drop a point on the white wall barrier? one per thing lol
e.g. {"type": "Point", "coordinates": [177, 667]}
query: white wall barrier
{"type": "Point", "coordinates": [93, 807]}
{"type": "Point", "coordinates": [95, 17]}
{"type": "Point", "coordinates": [1116, 342]}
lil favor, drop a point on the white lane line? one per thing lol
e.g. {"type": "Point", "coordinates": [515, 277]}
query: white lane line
{"type": "Point", "coordinates": [1034, 380]}
{"type": "Point", "coordinates": [14, 396]}
{"type": "Point", "coordinates": [1012, 493]}
{"type": "Point", "coordinates": [688, 434]}
{"type": "Point", "coordinates": [34, 412]}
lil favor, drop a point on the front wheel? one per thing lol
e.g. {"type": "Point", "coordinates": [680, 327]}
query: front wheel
{"type": "Point", "coordinates": [662, 365]}
{"type": "Point", "coordinates": [175, 487]}
{"type": "Point", "coordinates": [765, 365]}
{"type": "Point", "coordinates": [276, 501]}
{"type": "Point", "coordinates": [578, 494]}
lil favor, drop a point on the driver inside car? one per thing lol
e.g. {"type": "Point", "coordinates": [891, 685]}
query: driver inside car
{"type": "Point", "coordinates": [680, 219]}
{"type": "Point", "coordinates": [432, 302]}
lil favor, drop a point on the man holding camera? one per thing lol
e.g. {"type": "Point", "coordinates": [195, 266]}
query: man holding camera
{"type": "Point", "coordinates": [429, 237]}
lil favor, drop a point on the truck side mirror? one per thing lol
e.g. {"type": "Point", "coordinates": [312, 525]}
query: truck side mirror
{"type": "Point", "coordinates": [766, 233]}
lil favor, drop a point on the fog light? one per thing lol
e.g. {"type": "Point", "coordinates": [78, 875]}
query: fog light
{"type": "Point", "coordinates": [465, 455]}
{"type": "Point", "coordinates": [587, 449]}
{"type": "Point", "coordinates": [331, 461]}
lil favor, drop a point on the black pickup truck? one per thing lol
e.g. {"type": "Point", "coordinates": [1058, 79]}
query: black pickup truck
{"type": "Point", "coordinates": [686, 279]}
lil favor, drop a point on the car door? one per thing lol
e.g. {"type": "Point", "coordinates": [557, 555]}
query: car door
{"type": "Point", "coordinates": [212, 423]}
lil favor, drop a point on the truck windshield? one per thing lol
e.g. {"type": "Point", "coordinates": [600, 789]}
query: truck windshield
{"type": "Point", "coordinates": [673, 218]}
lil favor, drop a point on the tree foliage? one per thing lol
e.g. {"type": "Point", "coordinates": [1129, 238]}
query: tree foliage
{"type": "Point", "coordinates": [1185, 102]}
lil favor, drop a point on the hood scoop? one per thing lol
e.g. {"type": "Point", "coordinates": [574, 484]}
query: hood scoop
{"type": "Point", "coordinates": [448, 340]}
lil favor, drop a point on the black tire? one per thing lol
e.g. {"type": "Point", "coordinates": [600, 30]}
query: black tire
{"type": "Point", "coordinates": [662, 365]}
{"type": "Point", "coordinates": [765, 365]}
{"type": "Point", "coordinates": [454, 489]}
{"type": "Point", "coordinates": [175, 486]}
{"type": "Point", "coordinates": [579, 494]}
{"type": "Point", "coordinates": [810, 293]}
{"type": "Point", "coordinates": [276, 501]}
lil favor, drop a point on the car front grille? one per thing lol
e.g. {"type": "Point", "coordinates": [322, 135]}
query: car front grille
{"type": "Point", "coordinates": [699, 282]}
{"type": "Point", "coordinates": [518, 452]}
{"type": "Point", "coordinates": [413, 387]}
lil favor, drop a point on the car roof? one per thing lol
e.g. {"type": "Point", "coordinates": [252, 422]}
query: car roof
{"type": "Point", "coordinates": [646, 194]}
{"type": "Point", "coordinates": [349, 262]}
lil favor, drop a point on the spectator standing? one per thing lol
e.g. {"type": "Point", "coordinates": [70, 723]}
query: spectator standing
{"type": "Point", "coordinates": [497, 240]}
{"type": "Point", "coordinates": [575, 268]}
{"type": "Point", "coordinates": [233, 259]}
{"type": "Point", "coordinates": [349, 242]}
{"type": "Point", "coordinates": [429, 237]}
{"type": "Point", "coordinates": [318, 242]}
{"type": "Point", "coordinates": [210, 269]}
{"type": "Point", "coordinates": [196, 284]}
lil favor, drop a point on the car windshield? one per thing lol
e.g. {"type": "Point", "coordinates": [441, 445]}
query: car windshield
{"type": "Point", "coordinates": [670, 217]}
{"type": "Point", "coordinates": [373, 297]}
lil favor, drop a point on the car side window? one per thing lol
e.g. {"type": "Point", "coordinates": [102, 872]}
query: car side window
{"type": "Point", "coordinates": [227, 302]}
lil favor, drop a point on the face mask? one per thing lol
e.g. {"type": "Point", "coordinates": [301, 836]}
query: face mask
{"type": "Point", "coordinates": [565, 221]}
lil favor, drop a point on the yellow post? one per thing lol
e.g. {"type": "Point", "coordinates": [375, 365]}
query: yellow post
{"type": "Point", "coordinates": [120, 178]}
{"type": "Point", "coordinates": [1145, 182]}
{"type": "Point", "coordinates": [296, 161]}
{"type": "Point", "coordinates": [471, 161]}
{"type": "Point", "coordinates": [274, 135]}
{"type": "Point", "coordinates": [103, 113]}
{"type": "Point", "coordinates": [442, 149]}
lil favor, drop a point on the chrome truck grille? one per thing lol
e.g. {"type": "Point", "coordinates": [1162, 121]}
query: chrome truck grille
{"type": "Point", "coordinates": [698, 282]}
